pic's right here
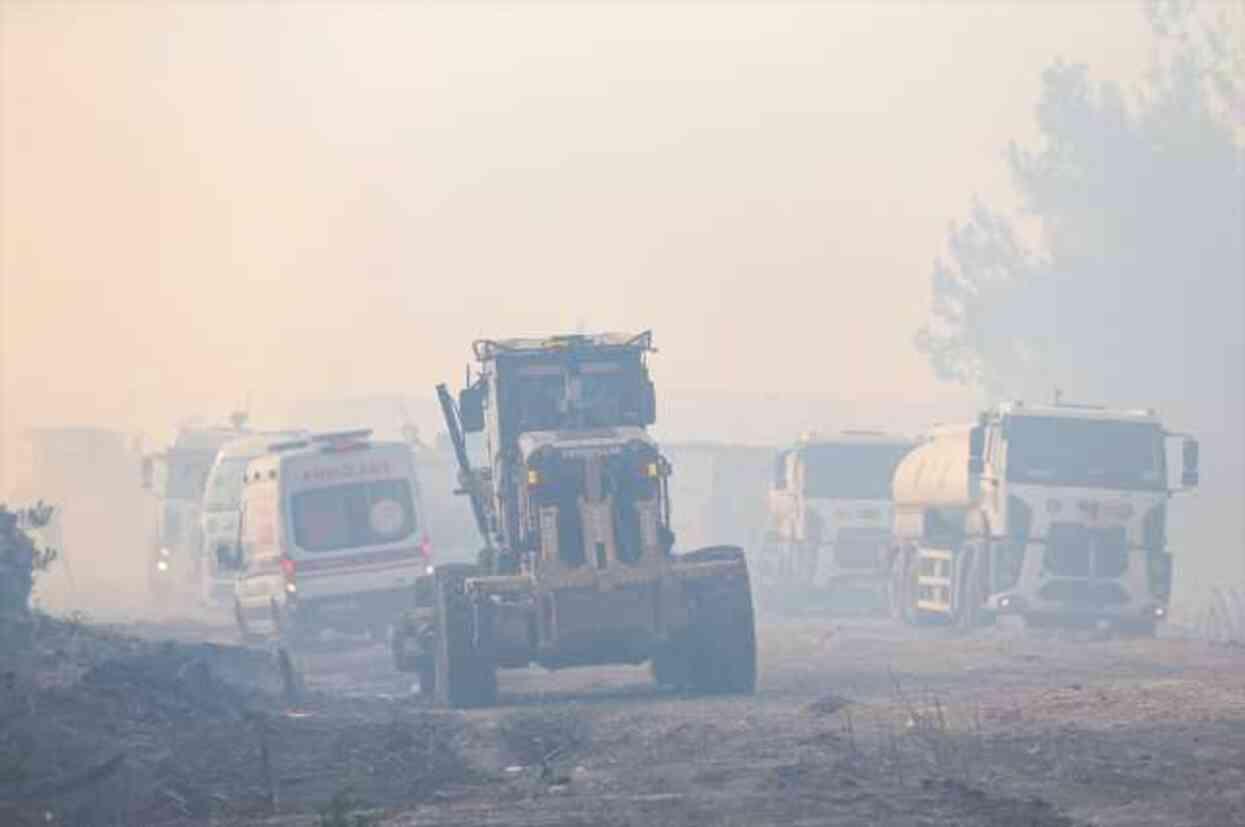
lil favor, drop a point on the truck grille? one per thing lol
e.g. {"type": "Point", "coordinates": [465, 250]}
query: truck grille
{"type": "Point", "coordinates": [1084, 593]}
{"type": "Point", "coordinates": [1076, 550]}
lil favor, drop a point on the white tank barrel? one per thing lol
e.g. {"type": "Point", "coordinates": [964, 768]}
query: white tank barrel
{"type": "Point", "coordinates": [935, 474]}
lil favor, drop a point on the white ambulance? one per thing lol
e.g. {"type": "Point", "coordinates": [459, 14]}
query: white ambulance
{"type": "Point", "coordinates": [331, 536]}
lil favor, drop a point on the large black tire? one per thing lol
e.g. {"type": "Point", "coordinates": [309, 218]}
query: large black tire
{"type": "Point", "coordinates": [670, 667]}
{"type": "Point", "coordinates": [721, 651]}
{"type": "Point", "coordinates": [464, 678]}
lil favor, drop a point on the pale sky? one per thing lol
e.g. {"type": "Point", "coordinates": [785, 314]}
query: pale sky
{"type": "Point", "coordinates": [206, 201]}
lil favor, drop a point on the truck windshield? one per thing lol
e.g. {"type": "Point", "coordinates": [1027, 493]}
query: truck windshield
{"type": "Point", "coordinates": [1085, 452]}
{"type": "Point", "coordinates": [224, 485]}
{"type": "Point", "coordinates": [850, 472]}
{"type": "Point", "coordinates": [353, 515]}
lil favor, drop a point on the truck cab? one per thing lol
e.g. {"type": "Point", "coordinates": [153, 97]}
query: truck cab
{"type": "Point", "coordinates": [1057, 513]}
{"type": "Point", "coordinates": [830, 515]}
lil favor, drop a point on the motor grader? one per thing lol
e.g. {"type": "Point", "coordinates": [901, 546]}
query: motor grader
{"type": "Point", "coordinates": [578, 566]}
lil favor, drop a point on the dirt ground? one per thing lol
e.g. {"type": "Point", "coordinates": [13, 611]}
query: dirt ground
{"type": "Point", "coordinates": [855, 722]}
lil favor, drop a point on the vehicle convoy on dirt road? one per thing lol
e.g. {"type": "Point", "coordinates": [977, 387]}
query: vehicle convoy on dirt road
{"type": "Point", "coordinates": [830, 519]}
{"type": "Point", "coordinates": [578, 567]}
{"type": "Point", "coordinates": [1055, 513]}
{"type": "Point", "coordinates": [331, 536]}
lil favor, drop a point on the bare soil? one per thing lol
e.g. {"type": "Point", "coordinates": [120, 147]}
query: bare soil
{"type": "Point", "coordinates": [855, 722]}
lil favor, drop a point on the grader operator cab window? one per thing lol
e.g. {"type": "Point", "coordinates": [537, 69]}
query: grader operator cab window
{"type": "Point", "coordinates": [584, 393]}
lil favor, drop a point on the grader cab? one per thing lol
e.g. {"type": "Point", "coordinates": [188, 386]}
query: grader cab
{"type": "Point", "coordinates": [578, 566]}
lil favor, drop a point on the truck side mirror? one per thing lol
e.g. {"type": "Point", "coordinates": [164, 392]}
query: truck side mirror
{"type": "Point", "coordinates": [471, 407]}
{"type": "Point", "coordinates": [977, 450]}
{"type": "Point", "coordinates": [147, 472]}
{"type": "Point", "coordinates": [1189, 456]}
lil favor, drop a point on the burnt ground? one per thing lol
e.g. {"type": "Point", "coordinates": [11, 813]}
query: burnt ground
{"type": "Point", "coordinates": [856, 722]}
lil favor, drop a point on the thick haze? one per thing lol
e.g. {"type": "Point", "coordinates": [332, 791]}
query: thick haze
{"type": "Point", "coordinates": [205, 202]}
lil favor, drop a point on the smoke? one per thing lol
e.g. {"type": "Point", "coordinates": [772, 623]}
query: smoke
{"type": "Point", "coordinates": [1133, 290]}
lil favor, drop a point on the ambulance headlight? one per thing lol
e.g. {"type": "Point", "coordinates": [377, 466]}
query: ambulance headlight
{"type": "Point", "coordinates": [162, 565]}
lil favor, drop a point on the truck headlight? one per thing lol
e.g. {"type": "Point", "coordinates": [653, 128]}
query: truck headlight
{"type": "Point", "coordinates": [164, 552]}
{"type": "Point", "coordinates": [162, 565]}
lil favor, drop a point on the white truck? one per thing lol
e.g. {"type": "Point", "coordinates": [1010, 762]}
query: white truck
{"type": "Point", "coordinates": [1056, 513]}
{"type": "Point", "coordinates": [828, 531]}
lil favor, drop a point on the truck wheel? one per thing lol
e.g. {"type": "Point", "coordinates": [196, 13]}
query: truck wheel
{"type": "Point", "coordinates": [463, 677]}
{"type": "Point", "coordinates": [722, 655]}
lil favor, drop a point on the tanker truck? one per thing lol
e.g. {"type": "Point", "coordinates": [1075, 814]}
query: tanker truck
{"type": "Point", "coordinates": [578, 566]}
{"type": "Point", "coordinates": [1053, 513]}
{"type": "Point", "coordinates": [828, 534]}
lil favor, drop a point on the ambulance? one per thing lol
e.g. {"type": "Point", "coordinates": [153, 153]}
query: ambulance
{"type": "Point", "coordinates": [331, 537]}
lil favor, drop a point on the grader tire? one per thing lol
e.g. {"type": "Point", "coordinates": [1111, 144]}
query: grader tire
{"type": "Point", "coordinates": [670, 667]}
{"type": "Point", "coordinates": [463, 678]}
{"type": "Point", "coordinates": [722, 652]}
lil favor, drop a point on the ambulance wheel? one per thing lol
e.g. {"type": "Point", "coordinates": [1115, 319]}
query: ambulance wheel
{"type": "Point", "coordinates": [464, 678]}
